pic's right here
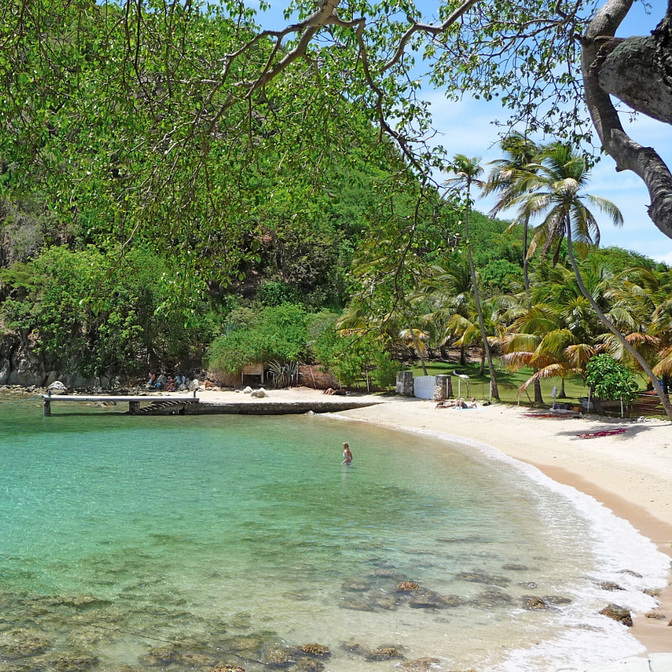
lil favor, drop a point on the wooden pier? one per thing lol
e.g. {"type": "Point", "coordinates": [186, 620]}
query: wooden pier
{"type": "Point", "coordinates": [157, 403]}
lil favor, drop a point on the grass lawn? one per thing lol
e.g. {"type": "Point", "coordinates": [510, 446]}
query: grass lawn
{"type": "Point", "coordinates": [508, 381]}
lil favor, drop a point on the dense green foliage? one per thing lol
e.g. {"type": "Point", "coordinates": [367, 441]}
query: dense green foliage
{"type": "Point", "coordinates": [610, 380]}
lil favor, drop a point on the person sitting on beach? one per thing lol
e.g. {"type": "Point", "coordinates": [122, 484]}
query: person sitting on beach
{"type": "Point", "coordinates": [446, 403]}
{"type": "Point", "coordinates": [347, 453]}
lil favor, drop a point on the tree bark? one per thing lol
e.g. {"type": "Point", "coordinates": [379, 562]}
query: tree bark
{"type": "Point", "coordinates": [477, 301]}
{"type": "Point", "coordinates": [597, 45]}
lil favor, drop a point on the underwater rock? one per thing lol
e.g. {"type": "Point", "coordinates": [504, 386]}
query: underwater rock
{"type": "Point", "coordinates": [79, 601]}
{"type": "Point", "coordinates": [386, 574]}
{"type": "Point", "coordinates": [406, 586]}
{"type": "Point", "coordinates": [309, 665]}
{"type": "Point", "coordinates": [490, 579]}
{"type": "Point", "coordinates": [652, 592]}
{"type": "Point", "coordinates": [315, 650]}
{"type": "Point", "coordinates": [197, 660]}
{"type": "Point", "coordinates": [227, 668]}
{"type": "Point", "coordinates": [355, 585]}
{"type": "Point", "coordinates": [510, 567]}
{"type": "Point", "coordinates": [249, 646]}
{"type": "Point", "coordinates": [610, 585]}
{"type": "Point", "coordinates": [530, 585]}
{"type": "Point", "coordinates": [419, 664]}
{"type": "Point", "coordinates": [384, 601]}
{"type": "Point", "coordinates": [492, 598]}
{"type": "Point", "coordinates": [534, 603]}
{"type": "Point", "coordinates": [557, 600]}
{"type": "Point", "coordinates": [426, 599]}
{"type": "Point", "coordinates": [356, 646]}
{"type": "Point", "coordinates": [452, 600]}
{"type": "Point", "coordinates": [617, 613]}
{"type": "Point", "coordinates": [75, 663]}
{"type": "Point", "coordinates": [161, 656]}
{"type": "Point", "coordinates": [384, 653]}
{"type": "Point", "coordinates": [655, 615]}
{"type": "Point", "coordinates": [22, 643]}
{"type": "Point", "coordinates": [356, 605]}
{"type": "Point", "coordinates": [277, 656]}
{"type": "Point", "coordinates": [637, 575]}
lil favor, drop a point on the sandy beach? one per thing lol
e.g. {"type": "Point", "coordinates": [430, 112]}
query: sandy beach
{"type": "Point", "coordinates": [629, 472]}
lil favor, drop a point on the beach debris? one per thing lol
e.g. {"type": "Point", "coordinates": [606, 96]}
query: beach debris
{"type": "Point", "coordinates": [384, 653]}
{"type": "Point", "coordinates": [315, 650]}
{"type": "Point", "coordinates": [604, 432]}
{"type": "Point", "coordinates": [419, 664]}
{"type": "Point", "coordinates": [610, 585]}
{"type": "Point", "coordinates": [617, 613]}
{"type": "Point", "coordinates": [22, 643]}
{"type": "Point", "coordinates": [406, 586]}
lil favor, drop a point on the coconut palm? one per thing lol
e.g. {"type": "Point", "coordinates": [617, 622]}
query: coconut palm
{"type": "Point", "coordinates": [467, 172]}
{"type": "Point", "coordinates": [507, 179]}
{"type": "Point", "coordinates": [554, 191]}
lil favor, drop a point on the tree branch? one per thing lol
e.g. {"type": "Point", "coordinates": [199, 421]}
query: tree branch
{"type": "Point", "coordinates": [628, 154]}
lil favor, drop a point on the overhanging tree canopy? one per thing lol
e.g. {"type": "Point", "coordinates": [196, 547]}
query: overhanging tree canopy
{"type": "Point", "coordinates": [201, 73]}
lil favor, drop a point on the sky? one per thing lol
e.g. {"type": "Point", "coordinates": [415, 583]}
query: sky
{"type": "Point", "coordinates": [466, 127]}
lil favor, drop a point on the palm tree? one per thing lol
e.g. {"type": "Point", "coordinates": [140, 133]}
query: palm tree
{"type": "Point", "coordinates": [507, 179]}
{"type": "Point", "coordinates": [554, 190]}
{"type": "Point", "coordinates": [466, 174]}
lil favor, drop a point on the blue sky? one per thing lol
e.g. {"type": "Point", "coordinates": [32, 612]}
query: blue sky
{"type": "Point", "coordinates": [466, 127]}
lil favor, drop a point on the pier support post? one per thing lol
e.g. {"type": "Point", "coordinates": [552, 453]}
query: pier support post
{"type": "Point", "coordinates": [440, 387]}
{"type": "Point", "coordinates": [405, 383]}
{"type": "Point", "coordinates": [47, 408]}
{"type": "Point", "coordinates": [133, 407]}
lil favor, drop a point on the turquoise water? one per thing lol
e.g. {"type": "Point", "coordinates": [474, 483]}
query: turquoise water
{"type": "Point", "coordinates": [186, 542]}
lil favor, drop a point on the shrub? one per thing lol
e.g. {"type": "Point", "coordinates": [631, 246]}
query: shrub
{"type": "Point", "coordinates": [610, 380]}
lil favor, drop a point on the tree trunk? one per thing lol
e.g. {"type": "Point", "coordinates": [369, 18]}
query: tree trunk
{"type": "Point", "coordinates": [477, 301]}
{"type": "Point", "coordinates": [628, 155]}
{"type": "Point", "coordinates": [526, 276]}
{"type": "Point", "coordinates": [664, 399]}
{"type": "Point", "coordinates": [562, 394]}
{"type": "Point", "coordinates": [538, 398]}
{"type": "Point", "coordinates": [463, 359]}
{"type": "Point", "coordinates": [418, 351]}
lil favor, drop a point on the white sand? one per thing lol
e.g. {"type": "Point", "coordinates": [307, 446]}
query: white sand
{"type": "Point", "coordinates": [631, 473]}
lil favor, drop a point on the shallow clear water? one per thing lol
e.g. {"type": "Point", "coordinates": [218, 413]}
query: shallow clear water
{"type": "Point", "coordinates": [186, 542]}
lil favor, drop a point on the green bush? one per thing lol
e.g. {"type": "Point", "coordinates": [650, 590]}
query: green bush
{"type": "Point", "coordinates": [610, 380]}
{"type": "Point", "coordinates": [276, 333]}
{"type": "Point", "coordinates": [356, 359]}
